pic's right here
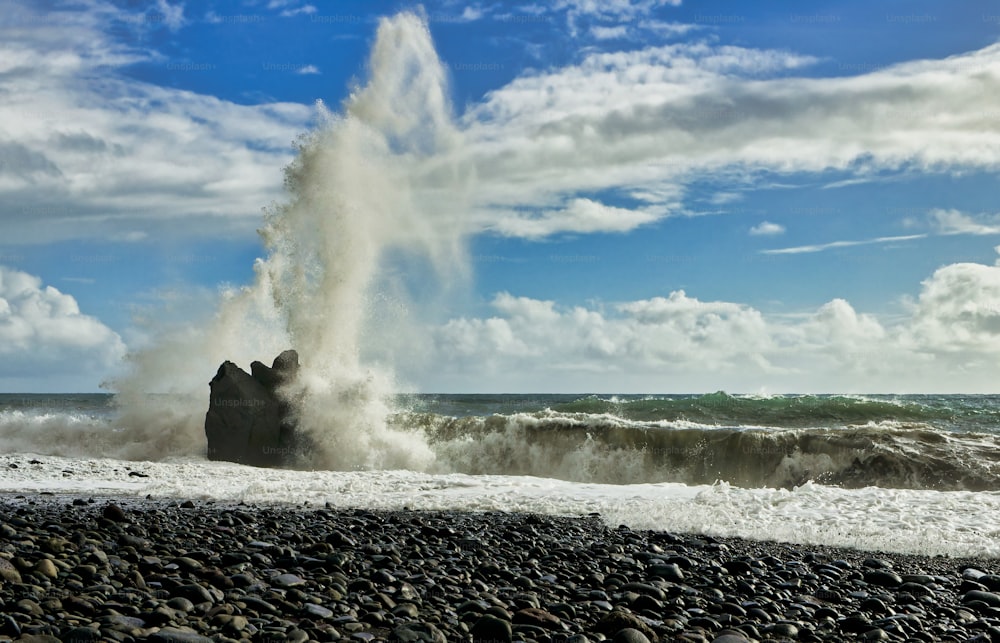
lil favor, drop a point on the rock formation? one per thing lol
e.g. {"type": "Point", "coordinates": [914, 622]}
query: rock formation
{"type": "Point", "coordinates": [248, 421]}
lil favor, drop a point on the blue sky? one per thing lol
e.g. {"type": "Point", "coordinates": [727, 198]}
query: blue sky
{"type": "Point", "coordinates": [659, 196]}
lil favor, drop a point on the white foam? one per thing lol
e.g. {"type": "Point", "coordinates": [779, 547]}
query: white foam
{"type": "Point", "coordinates": [954, 523]}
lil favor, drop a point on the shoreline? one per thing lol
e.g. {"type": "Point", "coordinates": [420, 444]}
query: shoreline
{"type": "Point", "coordinates": [172, 570]}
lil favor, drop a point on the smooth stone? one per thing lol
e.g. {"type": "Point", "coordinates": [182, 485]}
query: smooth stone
{"type": "Point", "coordinates": [786, 630]}
{"type": "Point", "coordinates": [176, 635]}
{"type": "Point", "coordinates": [617, 620]}
{"type": "Point", "coordinates": [47, 568]}
{"type": "Point", "coordinates": [419, 632]}
{"type": "Point", "coordinates": [114, 513]}
{"type": "Point", "coordinates": [80, 634]}
{"type": "Point", "coordinates": [187, 564]}
{"type": "Point", "coordinates": [288, 580]}
{"type": "Point", "coordinates": [991, 599]}
{"type": "Point", "coordinates": [671, 572]}
{"type": "Point", "coordinates": [28, 606]}
{"type": "Point", "coordinates": [537, 618]}
{"type": "Point", "coordinates": [730, 636]}
{"type": "Point", "coordinates": [9, 625]}
{"type": "Point", "coordinates": [408, 610]}
{"type": "Point", "coordinates": [630, 635]}
{"type": "Point", "coordinates": [234, 624]}
{"type": "Point", "coordinates": [316, 611]}
{"type": "Point", "coordinates": [490, 628]}
{"type": "Point", "coordinates": [194, 593]}
{"type": "Point", "coordinates": [883, 578]}
{"type": "Point", "coordinates": [8, 572]}
{"type": "Point", "coordinates": [296, 636]}
{"type": "Point", "coordinates": [180, 603]}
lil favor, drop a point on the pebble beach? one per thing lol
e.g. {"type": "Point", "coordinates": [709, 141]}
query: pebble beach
{"type": "Point", "coordinates": [124, 569]}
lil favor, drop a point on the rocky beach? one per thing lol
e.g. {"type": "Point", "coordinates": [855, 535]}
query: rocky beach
{"type": "Point", "coordinates": [124, 569]}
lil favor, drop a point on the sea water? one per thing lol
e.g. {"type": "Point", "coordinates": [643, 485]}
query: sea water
{"type": "Point", "coordinates": [912, 474]}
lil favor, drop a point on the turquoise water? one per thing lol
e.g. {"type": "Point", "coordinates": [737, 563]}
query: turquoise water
{"type": "Point", "coordinates": [940, 442]}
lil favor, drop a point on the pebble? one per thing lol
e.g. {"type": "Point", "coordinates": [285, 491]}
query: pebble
{"type": "Point", "coordinates": [126, 569]}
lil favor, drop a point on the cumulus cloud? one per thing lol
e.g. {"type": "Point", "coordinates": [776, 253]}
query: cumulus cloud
{"type": "Point", "coordinates": [657, 118]}
{"type": "Point", "coordinates": [307, 69]}
{"type": "Point", "coordinates": [579, 216]}
{"type": "Point", "coordinates": [956, 222]}
{"type": "Point", "coordinates": [44, 338]}
{"type": "Point", "coordinates": [609, 33]}
{"type": "Point", "coordinates": [948, 342]}
{"type": "Point", "coordinates": [766, 228]}
{"type": "Point", "coordinates": [86, 152]}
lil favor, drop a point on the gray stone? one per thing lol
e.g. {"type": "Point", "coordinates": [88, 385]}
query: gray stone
{"type": "Point", "coordinates": [630, 635]}
{"type": "Point", "coordinates": [176, 635]}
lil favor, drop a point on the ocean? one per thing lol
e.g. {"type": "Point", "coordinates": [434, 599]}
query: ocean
{"type": "Point", "coordinates": [902, 473]}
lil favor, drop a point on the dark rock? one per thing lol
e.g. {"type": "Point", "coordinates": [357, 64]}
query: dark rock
{"type": "Point", "coordinates": [617, 620]}
{"type": "Point", "coordinates": [630, 635]}
{"type": "Point", "coordinates": [491, 628]}
{"type": "Point", "coordinates": [80, 634]}
{"type": "Point", "coordinates": [730, 636]}
{"type": "Point", "coordinates": [883, 577]}
{"type": "Point", "coordinates": [114, 513]}
{"type": "Point", "coordinates": [249, 421]}
{"type": "Point", "coordinates": [991, 599]}
{"type": "Point", "coordinates": [670, 572]}
{"type": "Point", "coordinates": [288, 580]}
{"type": "Point", "coordinates": [419, 632]}
{"type": "Point", "coordinates": [8, 572]}
{"type": "Point", "coordinates": [537, 617]}
{"type": "Point", "coordinates": [175, 635]}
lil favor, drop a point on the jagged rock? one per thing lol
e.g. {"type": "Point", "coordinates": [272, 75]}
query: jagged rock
{"type": "Point", "coordinates": [248, 421]}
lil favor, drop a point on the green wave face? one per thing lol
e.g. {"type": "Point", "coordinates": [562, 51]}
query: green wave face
{"type": "Point", "coordinates": [723, 409]}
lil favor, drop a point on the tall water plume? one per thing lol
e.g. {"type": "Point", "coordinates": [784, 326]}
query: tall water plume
{"type": "Point", "coordinates": [378, 178]}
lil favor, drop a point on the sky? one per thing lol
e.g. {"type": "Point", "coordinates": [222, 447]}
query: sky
{"type": "Point", "coordinates": [662, 195]}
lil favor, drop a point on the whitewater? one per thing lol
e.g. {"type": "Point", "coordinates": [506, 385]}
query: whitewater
{"type": "Point", "coordinates": [370, 240]}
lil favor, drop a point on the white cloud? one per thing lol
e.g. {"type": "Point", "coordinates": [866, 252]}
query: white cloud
{"type": "Point", "coordinates": [86, 152]}
{"type": "Point", "coordinates": [307, 9]}
{"type": "Point", "coordinates": [579, 216]}
{"type": "Point", "coordinates": [795, 250]}
{"type": "Point", "coordinates": [470, 14]}
{"type": "Point", "coordinates": [45, 339]}
{"type": "Point", "coordinates": [956, 222]}
{"type": "Point", "coordinates": [958, 314]}
{"type": "Point", "coordinates": [948, 342]}
{"type": "Point", "coordinates": [662, 117]}
{"type": "Point", "coordinates": [308, 69]}
{"type": "Point", "coordinates": [172, 14]}
{"type": "Point", "coordinates": [612, 9]}
{"type": "Point", "coordinates": [667, 29]}
{"type": "Point", "coordinates": [766, 228]}
{"type": "Point", "coordinates": [609, 33]}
